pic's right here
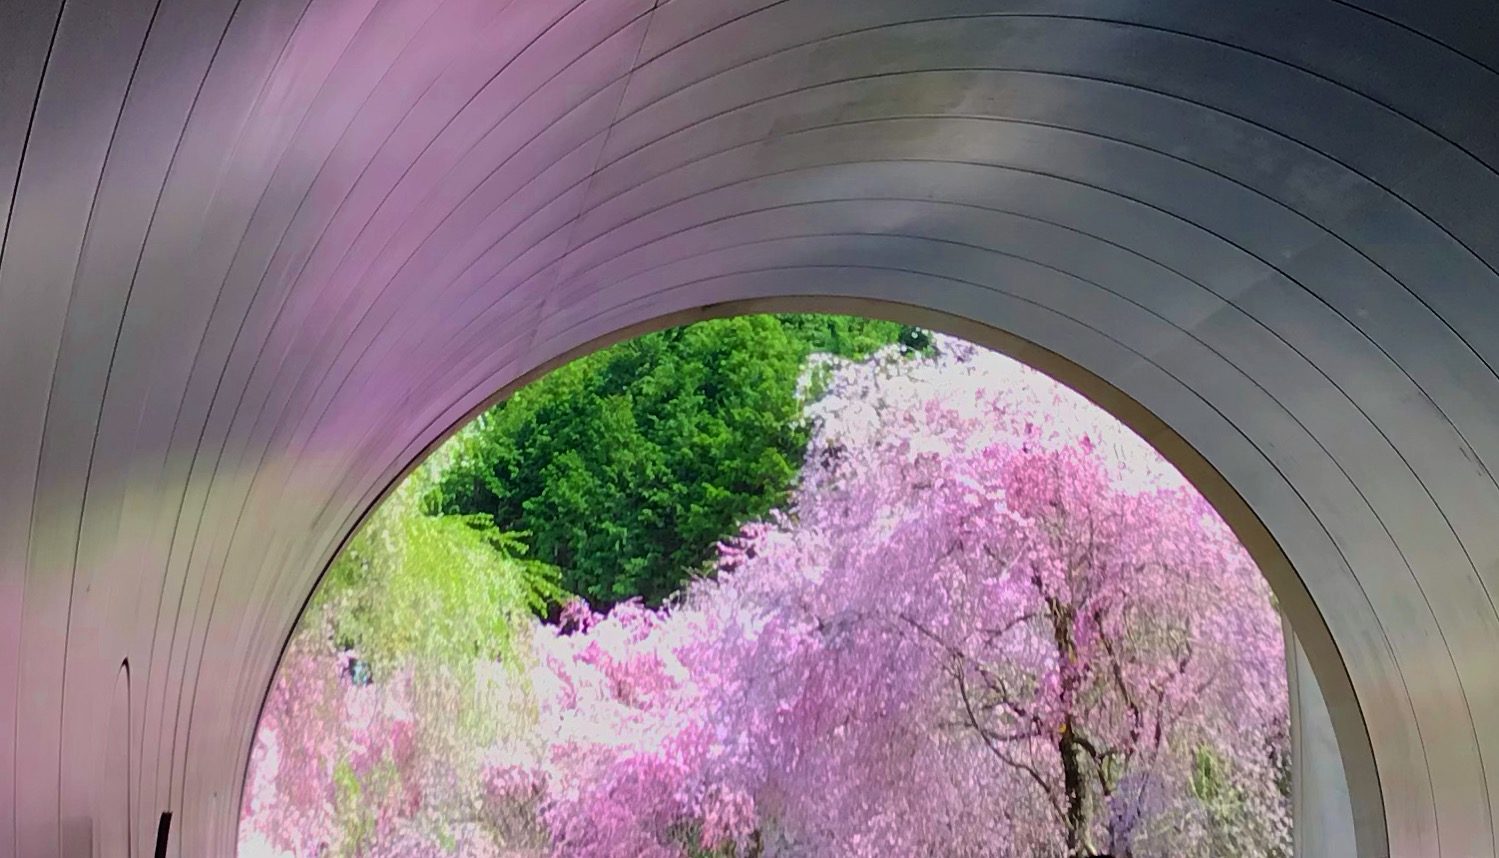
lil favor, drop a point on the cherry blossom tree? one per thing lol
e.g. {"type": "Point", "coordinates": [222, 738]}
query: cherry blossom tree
{"type": "Point", "coordinates": [401, 673]}
{"type": "Point", "coordinates": [992, 623]}
{"type": "Point", "coordinates": [971, 636]}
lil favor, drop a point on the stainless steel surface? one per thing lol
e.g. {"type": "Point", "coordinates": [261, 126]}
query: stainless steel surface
{"type": "Point", "coordinates": [1320, 808]}
{"type": "Point", "coordinates": [258, 255]}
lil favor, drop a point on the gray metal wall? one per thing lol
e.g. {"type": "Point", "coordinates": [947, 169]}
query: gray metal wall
{"type": "Point", "coordinates": [259, 254]}
{"type": "Point", "coordinates": [1320, 806]}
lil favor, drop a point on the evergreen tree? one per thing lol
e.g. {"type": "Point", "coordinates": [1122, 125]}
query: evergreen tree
{"type": "Point", "coordinates": [625, 468]}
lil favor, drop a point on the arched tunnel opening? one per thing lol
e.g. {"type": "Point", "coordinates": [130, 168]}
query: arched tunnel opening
{"type": "Point", "coordinates": [258, 256]}
{"type": "Point", "coordinates": [1326, 729]}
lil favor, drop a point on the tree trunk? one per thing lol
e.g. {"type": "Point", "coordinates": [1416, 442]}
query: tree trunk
{"type": "Point", "coordinates": [1075, 784]}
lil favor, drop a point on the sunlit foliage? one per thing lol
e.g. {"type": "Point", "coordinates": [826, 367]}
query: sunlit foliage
{"type": "Point", "coordinates": [993, 624]}
{"type": "Point", "coordinates": [987, 621]}
{"type": "Point", "coordinates": [370, 738]}
{"type": "Point", "coordinates": [627, 466]}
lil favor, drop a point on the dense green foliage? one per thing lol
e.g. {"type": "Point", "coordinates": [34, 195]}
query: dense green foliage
{"type": "Point", "coordinates": [626, 467]}
{"type": "Point", "coordinates": [434, 589]}
{"type": "Point", "coordinates": [849, 336]}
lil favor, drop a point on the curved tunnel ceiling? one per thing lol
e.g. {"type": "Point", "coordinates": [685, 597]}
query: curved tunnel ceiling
{"type": "Point", "coordinates": [259, 254]}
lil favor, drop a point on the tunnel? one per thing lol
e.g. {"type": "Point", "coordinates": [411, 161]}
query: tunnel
{"type": "Point", "coordinates": [258, 256]}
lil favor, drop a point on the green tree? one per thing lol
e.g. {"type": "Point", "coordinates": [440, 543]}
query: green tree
{"type": "Point", "coordinates": [852, 337]}
{"type": "Point", "coordinates": [438, 591]}
{"type": "Point", "coordinates": [386, 698]}
{"type": "Point", "coordinates": [627, 466]}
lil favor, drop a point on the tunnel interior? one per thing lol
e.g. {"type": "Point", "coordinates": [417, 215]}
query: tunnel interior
{"type": "Point", "coordinates": [258, 256]}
